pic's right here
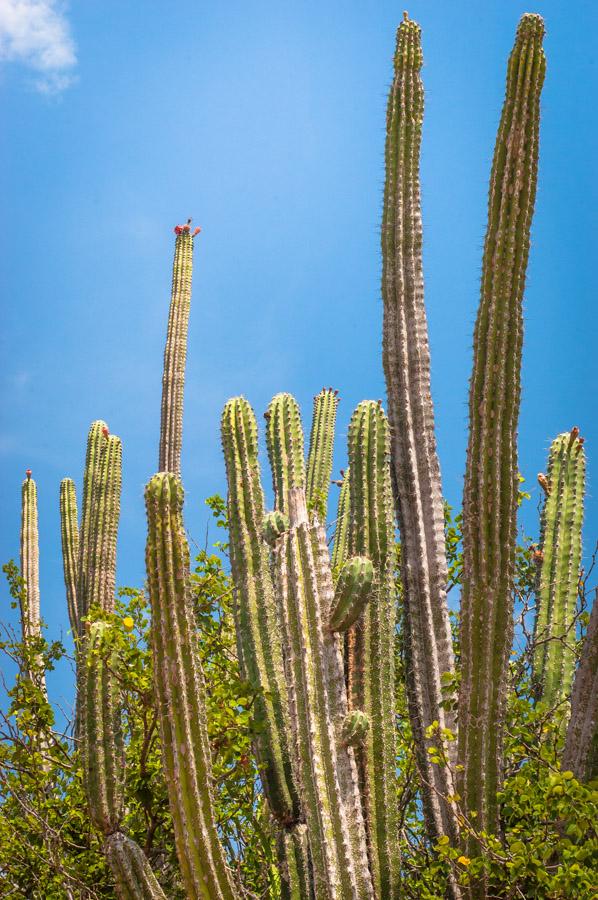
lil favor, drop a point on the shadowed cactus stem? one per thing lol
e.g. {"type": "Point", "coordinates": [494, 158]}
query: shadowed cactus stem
{"type": "Point", "coordinates": [491, 478]}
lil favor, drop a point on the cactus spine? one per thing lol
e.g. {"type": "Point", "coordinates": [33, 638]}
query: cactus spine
{"type": "Point", "coordinates": [580, 754]}
{"type": "Point", "coordinates": [69, 533]}
{"type": "Point", "coordinates": [372, 651]}
{"type": "Point", "coordinates": [180, 693]}
{"type": "Point", "coordinates": [558, 570]}
{"type": "Point", "coordinates": [416, 471]}
{"type": "Point", "coordinates": [30, 613]}
{"type": "Point", "coordinates": [175, 353]}
{"type": "Point", "coordinates": [490, 494]}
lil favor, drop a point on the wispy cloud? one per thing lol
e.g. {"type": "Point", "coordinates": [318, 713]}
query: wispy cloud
{"type": "Point", "coordinates": [37, 34]}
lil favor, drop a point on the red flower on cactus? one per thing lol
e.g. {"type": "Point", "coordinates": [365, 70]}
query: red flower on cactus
{"type": "Point", "coordinates": [186, 227]}
{"type": "Point", "coordinates": [196, 232]}
{"type": "Point", "coordinates": [28, 473]}
{"type": "Point", "coordinates": [178, 229]}
{"type": "Point", "coordinates": [105, 431]}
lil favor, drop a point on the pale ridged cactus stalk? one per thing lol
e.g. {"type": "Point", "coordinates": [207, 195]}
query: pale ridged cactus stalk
{"type": "Point", "coordinates": [559, 568]}
{"type": "Point", "coordinates": [580, 755]}
{"type": "Point", "coordinates": [30, 612]}
{"type": "Point", "coordinates": [180, 694]}
{"type": "Point", "coordinates": [319, 458]}
{"type": "Point", "coordinates": [416, 471]}
{"type": "Point", "coordinates": [372, 650]}
{"type": "Point", "coordinates": [69, 533]}
{"type": "Point", "coordinates": [491, 479]}
{"type": "Point", "coordinates": [175, 352]}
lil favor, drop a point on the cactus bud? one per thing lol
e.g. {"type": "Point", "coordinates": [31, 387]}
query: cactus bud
{"type": "Point", "coordinates": [275, 523]}
{"type": "Point", "coordinates": [352, 592]}
{"type": "Point", "coordinates": [355, 727]}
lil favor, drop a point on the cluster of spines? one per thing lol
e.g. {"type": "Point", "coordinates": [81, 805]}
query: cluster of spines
{"type": "Point", "coordinates": [175, 352]}
{"type": "Point", "coordinates": [416, 471]}
{"type": "Point", "coordinates": [181, 695]}
{"type": "Point", "coordinates": [491, 479]}
{"type": "Point", "coordinates": [559, 560]}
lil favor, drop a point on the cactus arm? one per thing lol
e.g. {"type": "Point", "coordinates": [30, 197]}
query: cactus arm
{"type": "Point", "coordinates": [415, 467]}
{"type": "Point", "coordinates": [30, 612]}
{"type": "Point", "coordinates": [491, 479]}
{"type": "Point", "coordinates": [295, 865]}
{"type": "Point", "coordinates": [341, 525]}
{"type": "Point", "coordinates": [69, 533]}
{"type": "Point", "coordinates": [129, 864]}
{"type": "Point", "coordinates": [175, 353]}
{"type": "Point", "coordinates": [580, 754]}
{"type": "Point", "coordinates": [96, 443]}
{"type": "Point", "coordinates": [257, 623]}
{"type": "Point", "coordinates": [319, 457]}
{"type": "Point", "coordinates": [284, 440]}
{"type": "Point", "coordinates": [558, 571]}
{"type": "Point", "coordinates": [372, 670]}
{"type": "Point", "coordinates": [180, 692]}
{"type": "Point", "coordinates": [352, 592]}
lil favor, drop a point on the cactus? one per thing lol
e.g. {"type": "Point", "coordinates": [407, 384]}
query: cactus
{"type": "Point", "coordinates": [180, 693]}
{"type": "Point", "coordinates": [274, 524]}
{"type": "Point", "coordinates": [558, 570]}
{"type": "Point", "coordinates": [134, 878]}
{"type": "Point", "coordinates": [175, 353]}
{"type": "Point", "coordinates": [294, 862]}
{"type": "Point", "coordinates": [341, 523]}
{"type": "Point", "coordinates": [372, 650]}
{"type": "Point", "coordinates": [30, 613]}
{"type": "Point", "coordinates": [96, 442]}
{"type": "Point", "coordinates": [69, 533]}
{"type": "Point", "coordinates": [416, 471]}
{"type": "Point", "coordinates": [580, 754]}
{"type": "Point", "coordinates": [491, 479]}
{"type": "Point", "coordinates": [319, 457]}
{"type": "Point", "coordinates": [352, 592]}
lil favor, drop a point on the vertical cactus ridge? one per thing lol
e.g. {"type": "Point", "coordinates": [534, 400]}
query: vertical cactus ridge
{"type": "Point", "coordinates": [415, 467]}
{"type": "Point", "coordinates": [341, 524]}
{"type": "Point", "coordinates": [319, 457]}
{"type": "Point", "coordinates": [134, 879]}
{"type": "Point", "coordinates": [181, 696]}
{"type": "Point", "coordinates": [558, 571]}
{"type": "Point", "coordinates": [295, 865]}
{"type": "Point", "coordinates": [491, 478]}
{"type": "Point", "coordinates": [284, 440]}
{"type": "Point", "coordinates": [96, 444]}
{"type": "Point", "coordinates": [69, 533]}
{"type": "Point", "coordinates": [580, 754]}
{"type": "Point", "coordinates": [30, 611]}
{"type": "Point", "coordinates": [175, 352]}
{"type": "Point", "coordinates": [258, 624]}
{"type": "Point", "coordinates": [100, 583]}
{"type": "Point", "coordinates": [372, 650]}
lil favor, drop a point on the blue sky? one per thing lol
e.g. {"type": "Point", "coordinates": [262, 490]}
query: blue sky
{"type": "Point", "coordinates": [265, 122]}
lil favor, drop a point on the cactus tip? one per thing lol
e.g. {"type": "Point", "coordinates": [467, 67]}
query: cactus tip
{"type": "Point", "coordinates": [28, 474]}
{"type": "Point", "coordinates": [105, 431]}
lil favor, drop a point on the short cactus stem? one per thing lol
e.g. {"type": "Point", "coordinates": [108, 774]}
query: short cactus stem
{"type": "Point", "coordinates": [96, 445]}
{"type": "Point", "coordinates": [352, 592]}
{"type": "Point", "coordinates": [559, 569]}
{"type": "Point", "coordinates": [69, 533]}
{"type": "Point", "coordinates": [341, 524]}
{"type": "Point", "coordinates": [175, 353]}
{"type": "Point", "coordinates": [284, 440]}
{"type": "Point", "coordinates": [275, 523]}
{"type": "Point", "coordinates": [30, 611]}
{"type": "Point", "coordinates": [180, 695]}
{"type": "Point", "coordinates": [372, 650]}
{"type": "Point", "coordinates": [416, 470]}
{"type": "Point", "coordinates": [580, 754]}
{"type": "Point", "coordinates": [355, 728]}
{"type": "Point", "coordinates": [319, 458]}
{"type": "Point", "coordinates": [134, 879]}
{"type": "Point", "coordinates": [491, 478]}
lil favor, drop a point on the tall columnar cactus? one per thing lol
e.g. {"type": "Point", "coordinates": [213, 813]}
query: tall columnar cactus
{"type": "Point", "coordinates": [416, 471]}
{"type": "Point", "coordinates": [180, 694]}
{"type": "Point", "coordinates": [371, 664]}
{"type": "Point", "coordinates": [558, 568]}
{"type": "Point", "coordinates": [491, 479]}
{"type": "Point", "coordinates": [341, 523]}
{"type": "Point", "coordinates": [580, 754]}
{"type": "Point", "coordinates": [257, 620]}
{"type": "Point", "coordinates": [69, 533]}
{"type": "Point", "coordinates": [96, 444]}
{"type": "Point", "coordinates": [319, 458]}
{"type": "Point", "coordinates": [175, 352]}
{"type": "Point", "coordinates": [30, 613]}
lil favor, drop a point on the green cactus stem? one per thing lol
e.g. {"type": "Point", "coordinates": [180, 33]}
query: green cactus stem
{"type": "Point", "coordinates": [416, 471]}
{"type": "Point", "coordinates": [69, 533]}
{"type": "Point", "coordinates": [352, 592]}
{"type": "Point", "coordinates": [355, 728]}
{"type": "Point", "coordinates": [134, 877]}
{"type": "Point", "coordinates": [175, 352]}
{"type": "Point", "coordinates": [580, 754]}
{"type": "Point", "coordinates": [491, 478]}
{"type": "Point", "coordinates": [180, 694]}
{"type": "Point", "coordinates": [30, 612]}
{"type": "Point", "coordinates": [558, 569]}
{"type": "Point", "coordinates": [96, 445]}
{"type": "Point", "coordinates": [319, 457]}
{"type": "Point", "coordinates": [284, 440]}
{"type": "Point", "coordinates": [295, 865]}
{"type": "Point", "coordinates": [341, 524]}
{"type": "Point", "coordinates": [372, 651]}
{"type": "Point", "coordinates": [257, 619]}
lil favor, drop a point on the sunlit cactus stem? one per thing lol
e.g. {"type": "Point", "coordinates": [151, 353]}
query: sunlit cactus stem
{"type": "Point", "coordinates": [491, 479]}
{"type": "Point", "coordinates": [319, 457]}
{"type": "Point", "coordinates": [559, 568]}
{"type": "Point", "coordinates": [175, 352]}
{"type": "Point", "coordinates": [415, 467]}
{"type": "Point", "coordinates": [96, 445]}
{"type": "Point", "coordinates": [372, 652]}
{"type": "Point", "coordinates": [30, 611]}
{"type": "Point", "coordinates": [69, 532]}
{"type": "Point", "coordinates": [181, 696]}
{"type": "Point", "coordinates": [341, 523]}
{"type": "Point", "coordinates": [296, 881]}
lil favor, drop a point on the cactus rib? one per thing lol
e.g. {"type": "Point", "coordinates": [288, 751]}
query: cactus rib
{"type": "Point", "coordinates": [69, 533]}
{"type": "Point", "coordinates": [319, 457]}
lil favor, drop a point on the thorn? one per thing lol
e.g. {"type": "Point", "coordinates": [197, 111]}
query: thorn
{"type": "Point", "coordinates": [574, 434]}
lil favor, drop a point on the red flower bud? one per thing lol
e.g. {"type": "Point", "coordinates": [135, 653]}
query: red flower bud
{"type": "Point", "coordinates": [177, 229]}
{"type": "Point", "coordinates": [105, 431]}
{"type": "Point", "coordinates": [196, 232]}
{"type": "Point", "coordinates": [28, 473]}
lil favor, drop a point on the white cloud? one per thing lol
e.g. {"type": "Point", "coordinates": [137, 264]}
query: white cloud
{"type": "Point", "coordinates": [37, 33]}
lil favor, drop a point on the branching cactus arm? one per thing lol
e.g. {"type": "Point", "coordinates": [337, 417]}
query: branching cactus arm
{"type": "Point", "coordinates": [491, 479]}
{"type": "Point", "coordinates": [69, 533]}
